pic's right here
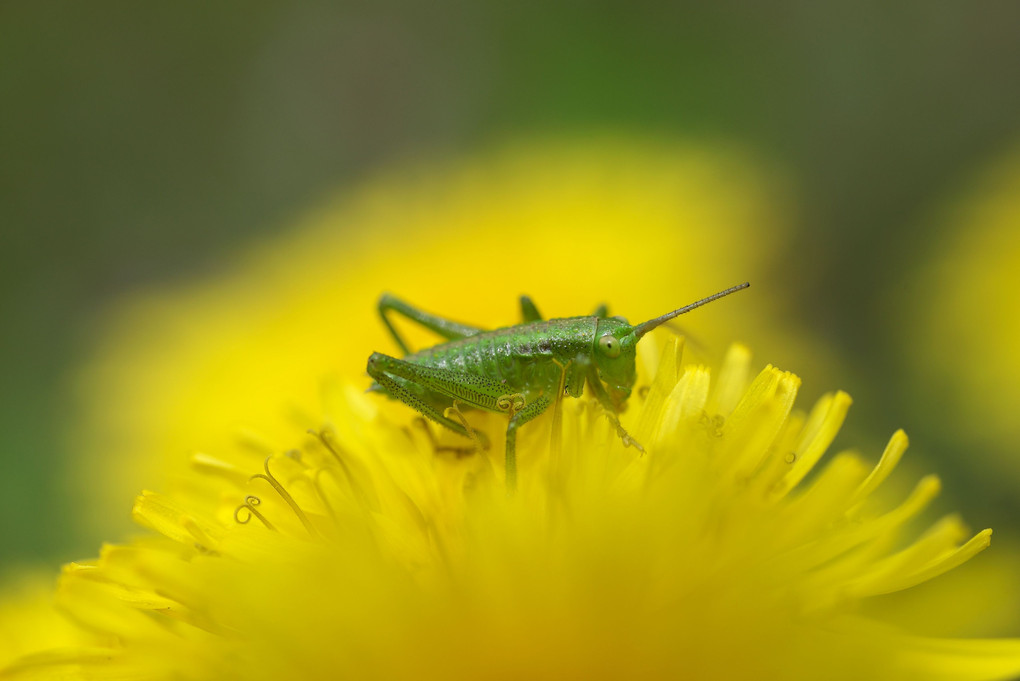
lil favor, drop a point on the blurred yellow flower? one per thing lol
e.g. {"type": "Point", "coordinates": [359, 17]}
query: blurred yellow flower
{"type": "Point", "coordinates": [642, 224]}
{"type": "Point", "coordinates": [964, 328]}
{"type": "Point", "coordinates": [357, 551]}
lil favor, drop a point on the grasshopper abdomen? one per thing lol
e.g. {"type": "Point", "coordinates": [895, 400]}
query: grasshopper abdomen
{"type": "Point", "coordinates": [515, 355]}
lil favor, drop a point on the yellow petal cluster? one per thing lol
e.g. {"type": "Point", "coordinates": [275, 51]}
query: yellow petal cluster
{"type": "Point", "coordinates": [29, 622]}
{"type": "Point", "coordinates": [734, 548]}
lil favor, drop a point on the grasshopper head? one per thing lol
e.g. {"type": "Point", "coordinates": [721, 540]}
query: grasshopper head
{"type": "Point", "coordinates": [616, 342]}
{"type": "Point", "coordinates": [615, 347]}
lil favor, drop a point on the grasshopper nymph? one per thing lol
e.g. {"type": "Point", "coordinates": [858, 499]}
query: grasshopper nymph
{"type": "Point", "coordinates": [517, 370]}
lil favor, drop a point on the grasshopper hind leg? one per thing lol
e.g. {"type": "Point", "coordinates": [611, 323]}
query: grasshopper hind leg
{"type": "Point", "coordinates": [398, 389]}
{"type": "Point", "coordinates": [447, 328]}
{"type": "Point", "coordinates": [455, 412]}
{"type": "Point", "coordinates": [440, 448]}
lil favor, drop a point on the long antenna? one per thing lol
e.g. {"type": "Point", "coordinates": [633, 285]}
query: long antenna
{"type": "Point", "coordinates": [645, 327]}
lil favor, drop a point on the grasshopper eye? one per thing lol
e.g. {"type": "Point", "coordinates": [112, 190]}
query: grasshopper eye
{"type": "Point", "coordinates": [609, 346]}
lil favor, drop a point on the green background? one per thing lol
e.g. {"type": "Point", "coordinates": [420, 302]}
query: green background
{"type": "Point", "coordinates": [144, 143]}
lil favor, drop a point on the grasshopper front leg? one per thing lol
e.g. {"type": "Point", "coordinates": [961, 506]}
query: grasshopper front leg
{"type": "Point", "coordinates": [610, 410]}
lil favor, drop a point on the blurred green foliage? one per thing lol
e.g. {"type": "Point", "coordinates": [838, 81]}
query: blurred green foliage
{"type": "Point", "coordinates": [142, 143]}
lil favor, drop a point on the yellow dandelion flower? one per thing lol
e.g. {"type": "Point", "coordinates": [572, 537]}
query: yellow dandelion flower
{"type": "Point", "coordinates": [357, 550]}
{"type": "Point", "coordinates": [572, 223]}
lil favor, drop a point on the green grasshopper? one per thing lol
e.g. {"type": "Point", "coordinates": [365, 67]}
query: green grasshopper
{"type": "Point", "coordinates": [516, 370]}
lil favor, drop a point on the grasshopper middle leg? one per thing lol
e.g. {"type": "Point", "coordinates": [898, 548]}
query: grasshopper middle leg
{"type": "Point", "coordinates": [518, 419]}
